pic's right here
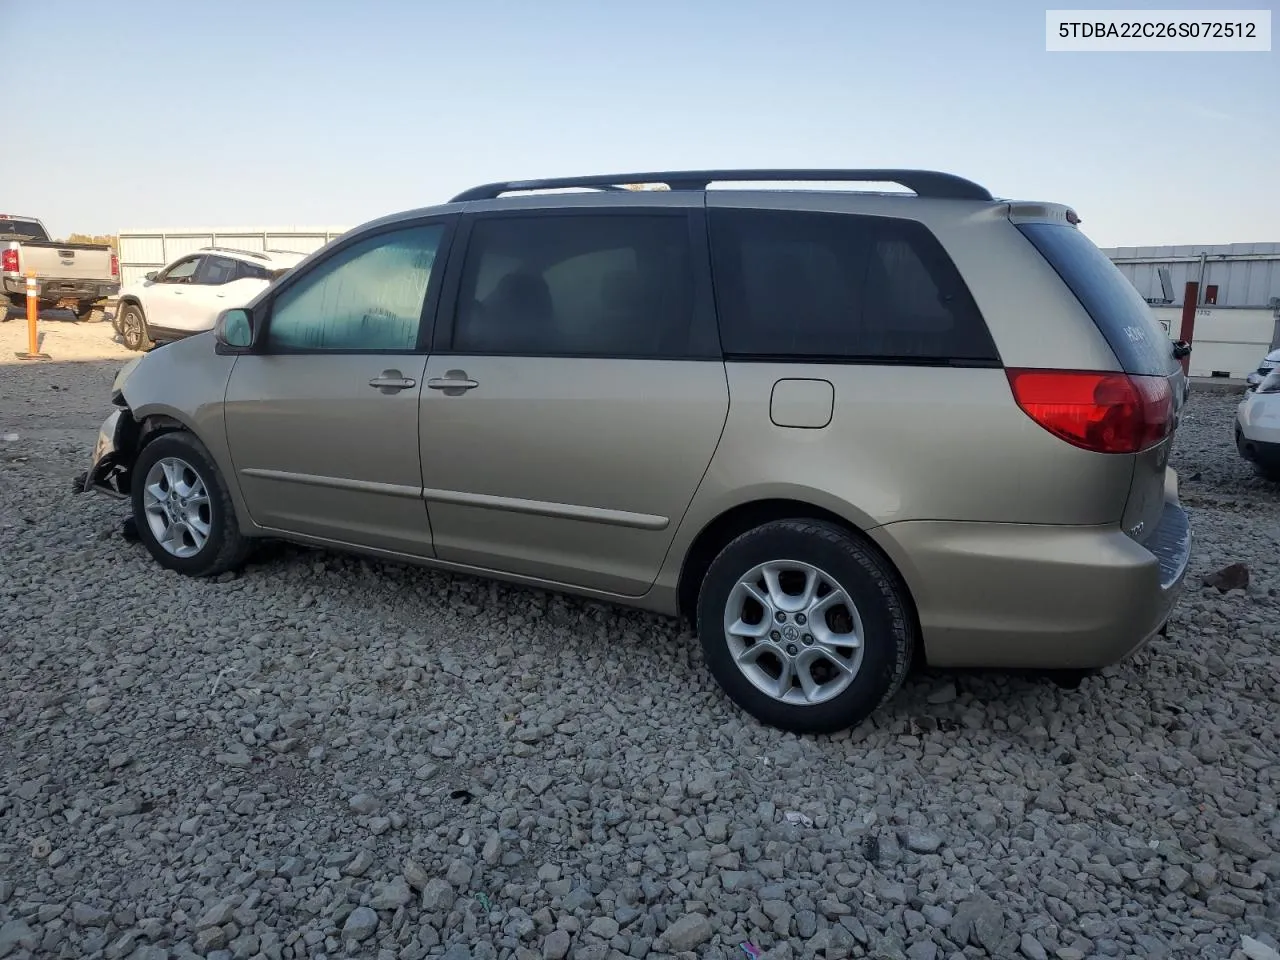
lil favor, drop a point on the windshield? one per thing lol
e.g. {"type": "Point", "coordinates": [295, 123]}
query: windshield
{"type": "Point", "coordinates": [12, 229]}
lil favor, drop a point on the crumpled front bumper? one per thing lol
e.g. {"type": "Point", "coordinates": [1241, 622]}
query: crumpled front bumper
{"type": "Point", "coordinates": [109, 471]}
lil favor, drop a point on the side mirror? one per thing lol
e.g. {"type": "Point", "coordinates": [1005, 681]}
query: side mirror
{"type": "Point", "coordinates": [152, 275]}
{"type": "Point", "coordinates": [233, 331]}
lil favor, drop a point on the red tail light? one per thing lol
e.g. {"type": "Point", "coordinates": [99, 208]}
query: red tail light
{"type": "Point", "coordinates": [115, 265]}
{"type": "Point", "coordinates": [9, 260]}
{"type": "Point", "coordinates": [1102, 412]}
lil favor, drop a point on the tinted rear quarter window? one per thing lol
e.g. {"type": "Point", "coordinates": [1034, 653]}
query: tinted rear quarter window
{"type": "Point", "coordinates": [829, 286]}
{"type": "Point", "coordinates": [1138, 340]}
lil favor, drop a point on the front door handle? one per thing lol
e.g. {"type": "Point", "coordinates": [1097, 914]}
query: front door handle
{"type": "Point", "coordinates": [392, 381]}
{"type": "Point", "coordinates": [454, 383]}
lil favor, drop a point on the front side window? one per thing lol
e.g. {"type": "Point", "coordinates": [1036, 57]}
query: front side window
{"type": "Point", "coordinates": [825, 286]}
{"type": "Point", "coordinates": [605, 285]}
{"type": "Point", "coordinates": [367, 297]}
{"type": "Point", "coordinates": [180, 272]}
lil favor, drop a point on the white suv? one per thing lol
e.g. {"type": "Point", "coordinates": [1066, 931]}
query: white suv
{"type": "Point", "coordinates": [187, 295]}
{"type": "Point", "coordinates": [1258, 426]}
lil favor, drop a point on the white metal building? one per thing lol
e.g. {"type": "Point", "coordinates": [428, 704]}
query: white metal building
{"type": "Point", "coordinates": [1238, 314]}
{"type": "Point", "coordinates": [142, 251]}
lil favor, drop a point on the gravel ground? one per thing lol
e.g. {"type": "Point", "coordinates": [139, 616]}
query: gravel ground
{"type": "Point", "coordinates": [327, 757]}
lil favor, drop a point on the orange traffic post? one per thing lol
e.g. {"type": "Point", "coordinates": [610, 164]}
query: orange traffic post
{"type": "Point", "coordinates": [33, 315]}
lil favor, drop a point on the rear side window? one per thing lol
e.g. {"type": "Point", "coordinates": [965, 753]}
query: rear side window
{"type": "Point", "coordinates": [1137, 339]}
{"type": "Point", "coordinates": [216, 271]}
{"type": "Point", "coordinates": [597, 285]}
{"type": "Point", "coordinates": [826, 286]}
{"type": "Point", "coordinates": [251, 271]}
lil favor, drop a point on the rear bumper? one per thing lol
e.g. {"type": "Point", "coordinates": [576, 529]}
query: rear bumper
{"type": "Point", "coordinates": [1258, 422]}
{"type": "Point", "coordinates": [54, 289]}
{"type": "Point", "coordinates": [1023, 596]}
{"type": "Point", "coordinates": [1265, 453]}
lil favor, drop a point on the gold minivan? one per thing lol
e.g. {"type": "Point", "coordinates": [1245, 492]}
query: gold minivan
{"type": "Point", "coordinates": [834, 430]}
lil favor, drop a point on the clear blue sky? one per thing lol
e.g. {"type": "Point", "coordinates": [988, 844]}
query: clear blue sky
{"type": "Point", "coordinates": [168, 113]}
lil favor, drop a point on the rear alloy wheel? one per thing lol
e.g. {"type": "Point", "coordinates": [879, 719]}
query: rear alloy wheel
{"type": "Point", "coordinates": [804, 626]}
{"type": "Point", "coordinates": [133, 328]}
{"type": "Point", "coordinates": [182, 510]}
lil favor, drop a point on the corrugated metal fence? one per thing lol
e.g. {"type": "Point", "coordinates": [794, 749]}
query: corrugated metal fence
{"type": "Point", "coordinates": [142, 251]}
{"type": "Point", "coordinates": [1230, 274]}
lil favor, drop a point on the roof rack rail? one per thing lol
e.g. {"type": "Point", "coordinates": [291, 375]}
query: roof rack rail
{"type": "Point", "coordinates": [296, 253]}
{"type": "Point", "coordinates": [924, 183]}
{"type": "Point", "coordinates": [257, 254]}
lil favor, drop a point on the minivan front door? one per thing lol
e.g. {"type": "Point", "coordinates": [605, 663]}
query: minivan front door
{"type": "Point", "coordinates": [322, 418]}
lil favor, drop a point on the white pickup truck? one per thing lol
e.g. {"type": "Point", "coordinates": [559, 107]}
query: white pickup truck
{"type": "Point", "coordinates": [72, 275]}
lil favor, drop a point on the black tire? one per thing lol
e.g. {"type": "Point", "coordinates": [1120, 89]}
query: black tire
{"type": "Point", "coordinates": [89, 312]}
{"type": "Point", "coordinates": [1268, 471]}
{"type": "Point", "coordinates": [133, 328]}
{"type": "Point", "coordinates": [225, 548]}
{"type": "Point", "coordinates": [876, 591]}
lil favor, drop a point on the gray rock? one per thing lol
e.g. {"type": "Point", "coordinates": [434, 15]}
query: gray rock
{"type": "Point", "coordinates": [83, 915]}
{"type": "Point", "coordinates": [211, 938]}
{"type": "Point", "coordinates": [364, 804]}
{"type": "Point", "coordinates": [979, 921]}
{"type": "Point", "coordinates": [943, 693]}
{"type": "Point", "coordinates": [1241, 840]}
{"type": "Point", "coordinates": [391, 895]}
{"type": "Point", "coordinates": [922, 950]}
{"type": "Point", "coordinates": [359, 864]}
{"type": "Point", "coordinates": [459, 951]}
{"type": "Point", "coordinates": [216, 915]}
{"type": "Point", "coordinates": [123, 808]}
{"type": "Point", "coordinates": [415, 875]}
{"type": "Point", "coordinates": [606, 928]}
{"type": "Point", "coordinates": [437, 895]}
{"type": "Point", "coordinates": [1227, 904]}
{"type": "Point", "coordinates": [15, 935]}
{"type": "Point", "coordinates": [1032, 948]}
{"type": "Point", "coordinates": [921, 841]}
{"type": "Point", "coordinates": [1174, 878]}
{"type": "Point", "coordinates": [806, 924]}
{"type": "Point", "coordinates": [556, 945]}
{"type": "Point", "coordinates": [459, 874]}
{"type": "Point", "coordinates": [579, 899]}
{"type": "Point", "coordinates": [691, 930]}
{"type": "Point", "coordinates": [360, 925]}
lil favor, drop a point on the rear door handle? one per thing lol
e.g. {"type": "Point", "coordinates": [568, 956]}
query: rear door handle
{"type": "Point", "coordinates": [392, 381]}
{"type": "Point", "coordinates": [454, 380]}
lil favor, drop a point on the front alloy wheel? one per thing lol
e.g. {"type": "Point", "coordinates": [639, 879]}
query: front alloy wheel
{"type": "Point", "coordinates": [176, 504]}
{"type": "Point", "coordinates": [182, 510]}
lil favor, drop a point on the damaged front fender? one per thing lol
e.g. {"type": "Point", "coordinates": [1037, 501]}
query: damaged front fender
{"type": "Point", "coordinates": [111, 467]}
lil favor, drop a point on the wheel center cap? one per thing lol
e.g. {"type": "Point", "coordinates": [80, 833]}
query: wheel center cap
{"type": "Point", "coordinates": [790, 633]}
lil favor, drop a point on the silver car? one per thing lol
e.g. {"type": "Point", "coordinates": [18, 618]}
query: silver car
{"type": "Point", "coordinates": [834, 431]}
